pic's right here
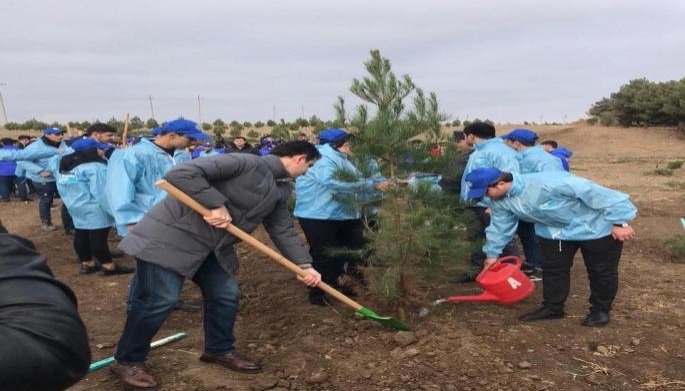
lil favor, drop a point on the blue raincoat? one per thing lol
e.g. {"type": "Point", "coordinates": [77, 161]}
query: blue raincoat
{"type": "Point", "coordinates": [131, 175]}
{"type": "Point", "coordinates": [7, 154]}
{"type": "Point", "coordinates": [490, 153]}
{"type": "Point", "coordinates": [562, 206]}
{"type": "Point", "coordinates": [536, 159]}
{"type": "Point", "coordinates": [33, 165]}
{"type": "Point", "coordinates": [314, 191]}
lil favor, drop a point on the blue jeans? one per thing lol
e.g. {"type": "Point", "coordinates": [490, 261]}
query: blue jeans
{"type": "Point", "coordinates": [154, 296]}
{"type": "Point", "coordinates": [46, 191]}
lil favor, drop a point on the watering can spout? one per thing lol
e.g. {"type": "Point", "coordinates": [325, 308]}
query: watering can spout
{"type": "Point", "coordinates": [485, 296]}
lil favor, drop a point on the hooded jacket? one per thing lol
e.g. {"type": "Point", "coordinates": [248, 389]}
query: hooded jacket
{"type": "Point", "coordinates": [315, 191]}
{"type": "Point", "coordinates": [489, 153]}
{"type": "Point", "coordinates": [562, 206]}
{"type": "Point", "coordinates": [254, 189]}
{"type": "Point", "coordinates": [131, 175]}
{"type": "Point", "coordinates": [563, 154]}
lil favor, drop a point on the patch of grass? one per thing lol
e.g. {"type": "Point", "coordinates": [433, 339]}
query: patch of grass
{"type": "Point", "coordinates": [660, 172]}
{"type": "Point", "coordinates": [675, 165]}
{"type": "Point", "coordinates": [676, 245]}
{"type": "Point", "coordinates": [675, 185]}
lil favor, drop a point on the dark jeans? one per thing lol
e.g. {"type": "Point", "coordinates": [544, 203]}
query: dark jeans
{"type": "Point", "coordinates": [6, 184]}
{"type": "Point", "coordinates": [530, 243]}
{"type": "Point", "coordinates": [154, 296]}
{"type": "Point", "coordinates": [22, 187]}
{"type": "Point", "coordinates": [601, 257]}
{"type": "Point", "coordinates": [478, 257]}
{"type": "Point", "coordinates": [90, 243]}
{"type": "Point", "coordinates": [46, 192]}
{"type": "Point", "coordinates": [326, 235]}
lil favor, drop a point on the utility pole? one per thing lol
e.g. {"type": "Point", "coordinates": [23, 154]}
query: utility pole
{"type": "Point", "coordinates": [199, 111]}
{"type": "Point", "coordinates": [274, 113]}
{"type": "Point", "coordinates": [2, 106]}
{"type": "Point", "coordinates": [152, 109]}
{"type": "Point", "coordinates": [302, 111]}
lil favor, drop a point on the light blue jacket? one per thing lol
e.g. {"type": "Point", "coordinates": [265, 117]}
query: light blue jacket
{"type": "Point", "coordinates": [25, 154]}
{"type": "Point", "coordinates": [82, 191]}
{"type": "Point", "coordinates": [536, 159]}
{"type": "Point", "coordinates": [314, 191]}
{"type": "Point", "coordinates": [489, 153]}
{"type": "Point", "coordinates": [34, 165]}
{"type": "Point", "coordinates": [562, 206]}
{"type": "Point", "coordinates": [131, 175]}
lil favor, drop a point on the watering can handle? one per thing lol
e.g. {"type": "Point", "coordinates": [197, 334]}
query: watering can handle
{"type": "Point", "coordinates": [518, 262]}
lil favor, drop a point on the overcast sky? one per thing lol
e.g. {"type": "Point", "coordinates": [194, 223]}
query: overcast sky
{"type": "Point", "coordinates": [509, 61]}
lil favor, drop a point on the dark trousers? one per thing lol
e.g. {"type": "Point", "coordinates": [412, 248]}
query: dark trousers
{"type": "Point", "coordinates": [601, 257]}
{"type": "Point", "coordinates": [90, 243]}
{"type": "Point", "coordinates": [21, 182]}
{"type": "Point", "coordinates": [324, 236]}
{"type": "Point", "coordinates": [478, 257]}
{"type": "Point", "coordinates": [46, 192]}
{"type": "Point", "coordinates": [6, 185]}
{"type": "Point", "coordinates": [530, 243]}
{"type": "Point", "coordinates": [156, 293]}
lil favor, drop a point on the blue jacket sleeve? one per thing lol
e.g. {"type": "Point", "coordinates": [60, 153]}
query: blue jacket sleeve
{"type": "Point", "coordinates": [614, 205]}
{"type": "Point", "coordinates": [501, 230]}
{"type": "Point", "coordinates": [326, 174]}
{"type": "Point", "coordinates": [123, 170]}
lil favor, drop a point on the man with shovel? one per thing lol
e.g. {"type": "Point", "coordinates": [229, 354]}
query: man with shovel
{"type": "Point", "coordinates": [172, 243]}
{"type": "Point", "coordinates": [569, 213]}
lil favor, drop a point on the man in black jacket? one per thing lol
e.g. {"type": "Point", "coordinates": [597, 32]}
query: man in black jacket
{"type": "Point", "coordinates": [43, 342]}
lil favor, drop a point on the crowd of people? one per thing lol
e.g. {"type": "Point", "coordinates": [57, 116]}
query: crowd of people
{"type": "Point", "coordinates": [514, 185]}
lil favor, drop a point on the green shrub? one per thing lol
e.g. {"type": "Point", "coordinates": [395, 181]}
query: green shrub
{"type": "Point", "coordinates": [675, 165]}
{"type": "Point", "coordinates": [660, 172]}
{"type": "Point", "coordinates": [676, 245]}
{"type": "Point", "coordinates": [253, 134]}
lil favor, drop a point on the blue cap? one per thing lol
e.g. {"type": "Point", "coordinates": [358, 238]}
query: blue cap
{"type": "Point", "coordinates": [54, 131]}
{"type": "Point", "coordinates": [332, 135]}
{"type": "Point", "coordinates": [88, 143]}
{"type": "Point", "coordinates": [522, 135]}
{"type": "Point", "coordinates": [183, 127]}
{"type": "Point", "coordinates": [479, 179]}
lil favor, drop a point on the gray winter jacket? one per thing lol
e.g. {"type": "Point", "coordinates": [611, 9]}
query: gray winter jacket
{"type": "Point", "coordinates": [254, 189]}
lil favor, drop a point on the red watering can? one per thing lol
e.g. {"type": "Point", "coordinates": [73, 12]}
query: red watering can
{"type": "Point", "coordinates": [503, 283]}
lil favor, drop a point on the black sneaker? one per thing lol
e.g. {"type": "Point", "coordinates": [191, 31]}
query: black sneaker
{"type": "Point", "coordinates": [118, 269]}
{"type": "Point", "coordinates": [85, 269]}
{"type": "Point", "coordinates": [317, 297]}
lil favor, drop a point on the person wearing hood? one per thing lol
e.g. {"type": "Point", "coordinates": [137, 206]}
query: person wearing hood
{"type": "Point", "coordinates": [81, 179]}
{"type": "Point", "coordinates": [560, 153]}
{"type": "Point", "coordinates": [328, 222]}
{"type": "Point", "coordinates": [39, 172]}
{"type": "Point", "coordinates": [570, 214]}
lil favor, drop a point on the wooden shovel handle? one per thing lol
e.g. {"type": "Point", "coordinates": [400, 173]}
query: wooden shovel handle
{"type": "Point", "coordinates": [249, 239]}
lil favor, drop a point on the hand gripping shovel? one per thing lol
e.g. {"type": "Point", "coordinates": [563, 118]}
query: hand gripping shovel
{"type": "Point", "coordinates": [283, 261]}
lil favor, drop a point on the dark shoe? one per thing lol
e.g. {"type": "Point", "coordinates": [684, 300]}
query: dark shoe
{"type": "Point", "coordinates": [118, 269]}
{"type": "Point", "coordinates": [317, 297]}
{"type": "Point", "coordinates": [133, 376]}
{"type": "Point", "coordinates": [47, 227]}
{"type": "Point", "coordinates": [464, 278]}
{"type": "Point", "coordinates": [541, 314]}
{"type": "Point", "coordinates": [232, 361]}
{"type": "Point", "coordinates": [597, 319]}
{"type": "Point", "coordinates": [85, 269]}
{"type": "Point", "coordinates": [27, 200]}
{"type": "Point", "coordinates": [186, 307]}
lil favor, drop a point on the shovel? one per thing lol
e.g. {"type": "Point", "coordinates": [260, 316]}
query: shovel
{"type": "Point", "coordinates": [283, 261]}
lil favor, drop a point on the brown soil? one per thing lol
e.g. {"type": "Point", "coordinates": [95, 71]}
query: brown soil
{"type": "Point", "coordinates": [458, 346]}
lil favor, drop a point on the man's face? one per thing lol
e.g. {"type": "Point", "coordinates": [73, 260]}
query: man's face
{"type": "Point", "coordinates": [470, 139]}
{"type": "Point", "coordinates": [300, 165]}
{"type": "Point", "coordinates": [497, 191]}
{"type": "Point", "coordinates": [24, 141]}
{"type": "Point", "coordinates": [55, 137]}
{"type": "Point", "coordinates": [181, 141]}
{"type": "Point", "coordinates": [105, 137]}
{"type": "Point", "coordinates": [547, 147]}
{"type": "Point", "coordinates": [239, 143]}
{"type": "Point", "coordinates": [463, 145]}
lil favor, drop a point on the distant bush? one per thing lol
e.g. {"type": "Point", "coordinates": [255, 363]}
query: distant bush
{"type": "Point", "coordinates": [660, 172]}
{"type": "Point", "coordinates": [253, 134]}
{"type": "Point", "coordinates": [259, 124]}
{"type": "Point", "coordinates": [676, 245]}
{"type": "Point", "coordinates": [675, 165]}
{"type": "Point", "coordinates": [591, 121]}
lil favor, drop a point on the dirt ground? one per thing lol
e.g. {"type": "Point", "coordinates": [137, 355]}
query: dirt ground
{"type": "Point", "coordinates": [458, 346]}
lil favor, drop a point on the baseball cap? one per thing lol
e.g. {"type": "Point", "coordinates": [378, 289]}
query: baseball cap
{"type": "Point", "coordinates": [183, 127]}
{"type": "Point", "coordinates": [54, 131]}
{"type": "Point", "coordinates": [522, 135]}
{"type": "Point", "coordinates": [479, 179]}
{"type": "Point", "coordinates": [332, 135]}
{"type": "Point", "coordinates": [87, 143]}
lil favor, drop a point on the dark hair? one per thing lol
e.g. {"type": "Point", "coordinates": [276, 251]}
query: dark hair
{"type": "Point", "coordinates": [293, 148]}
{"type": "Point", "coordinates": [481, 130]}
{"type": "Point", "coordinates": [505, 177]}
{"type": "Point", "coordinates": [241, 137]}
{"type": "Point", "coordinates": [551, 143]}
{"type": "Point", "coordinates": [458, 135]}
{"type": "Point", "coordinates": [99, 128]}
{"type": "Point", "coordinates": [8, 141]}
{"type": "Point", "coordinates": [24, 137]}
{"type": "Point", "coordinates": [341, 142]}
